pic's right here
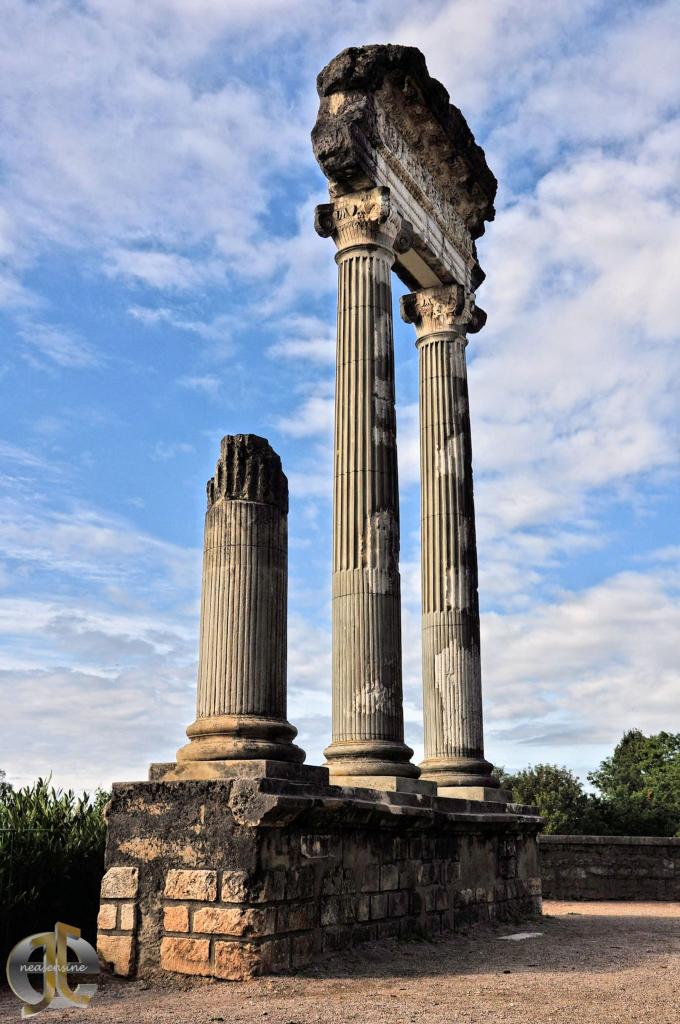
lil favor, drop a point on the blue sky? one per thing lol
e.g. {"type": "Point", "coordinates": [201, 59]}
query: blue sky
{"type": "Point", "coordinates": [161, 284]}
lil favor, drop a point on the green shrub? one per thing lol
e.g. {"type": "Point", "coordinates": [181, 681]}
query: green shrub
{"type": "Point", "coordinates": [51, 860]}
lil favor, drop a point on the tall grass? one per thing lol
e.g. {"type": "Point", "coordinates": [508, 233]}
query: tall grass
{"type": "Point", "coordinates": [51, 860]}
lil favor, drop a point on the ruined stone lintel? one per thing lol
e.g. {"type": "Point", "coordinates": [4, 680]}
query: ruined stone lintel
{"type": "Point", "coordinates": [368, 724]}
{"type": "Point", "coordinates": [383, 120]}
{"type": "Point", "coordinates": [241, 702]}
{"type": "Point", "coordinates": [452, 685]}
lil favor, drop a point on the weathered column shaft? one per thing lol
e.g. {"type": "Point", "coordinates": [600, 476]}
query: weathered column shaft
{"type": "Point", "coordinates": [241, 703]}
{"type": "Point", "coordinates": [452, 685]}
{"type": "Point", "coordinates": [243, 601]}
{"type": "Point", "coordinates": [368, 725]}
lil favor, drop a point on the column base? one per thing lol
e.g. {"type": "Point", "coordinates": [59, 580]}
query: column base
{"type": "Point", "coordinates": [240, 738]}
{"type": "Point", "coordinates": [191, 771]}
{"type": "Point", "coordinates": [452, 771]}
{"type": "Point", "coordinates": [386, 783]}
{"type": "Point", "coordinates": [485, 793]}
{"type": "Point", "coordinates": [370, 758]}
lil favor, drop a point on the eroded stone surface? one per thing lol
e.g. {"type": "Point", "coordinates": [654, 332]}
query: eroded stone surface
{"type": "Point", "coordinates": [325, 870]}
{"type": "Point", "coordinates": [383, 121]}
{"type": "Point", "coordinates": [241, 699]}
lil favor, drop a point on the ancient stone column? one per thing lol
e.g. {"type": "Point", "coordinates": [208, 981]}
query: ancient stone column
{"type": "Point", "coordinates": [452, 682]}
{"type": "Point", "coordinates": [241, 705]}
{"type": "Point", "coordinates": [368, 725]}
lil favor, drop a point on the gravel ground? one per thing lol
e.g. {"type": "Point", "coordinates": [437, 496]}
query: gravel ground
{"type": "Point", "coordinates": [593, 962]}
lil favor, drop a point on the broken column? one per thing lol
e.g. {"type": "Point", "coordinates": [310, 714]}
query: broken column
{"type": "Point", "coordinates": [241, 705]}
{"type": "Point", "coordinates": [368, 723]}
{"type": "Point", "coordinates": [452, 681]}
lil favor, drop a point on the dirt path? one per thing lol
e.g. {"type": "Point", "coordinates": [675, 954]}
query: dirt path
{"type": "Point", "coordinates": [594, 962]}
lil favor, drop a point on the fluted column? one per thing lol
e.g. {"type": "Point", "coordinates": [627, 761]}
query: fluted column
{"type": "Point", "coordinates": [368, 724]}
{"type": "Point", "coordinates": [452, 684]}
{"type": "Point", "coordinates": [241, 704]}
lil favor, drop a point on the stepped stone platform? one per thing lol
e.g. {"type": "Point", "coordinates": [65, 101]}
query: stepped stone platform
{"type": "Point", "coordinates": [232, 878]}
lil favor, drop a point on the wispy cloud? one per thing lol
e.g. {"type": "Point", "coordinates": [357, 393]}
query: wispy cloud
{"type": "Point", "coordinates": [58, 346]}
{"type": "Point", "coordinates": [170, 450]}
{"type": "Point", "coordinates": [208, 384]}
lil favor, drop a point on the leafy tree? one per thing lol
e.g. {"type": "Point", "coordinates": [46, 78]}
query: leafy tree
{"type": "Point", "coordinates": [559, 796]}
{"type": "Point", "coordinates": [640, 785]}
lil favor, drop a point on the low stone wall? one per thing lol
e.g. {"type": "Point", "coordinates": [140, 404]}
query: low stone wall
{"type": "Point", "coordinates": [610, 867]}
{"type": "Point", "coordinates": [242, 877]}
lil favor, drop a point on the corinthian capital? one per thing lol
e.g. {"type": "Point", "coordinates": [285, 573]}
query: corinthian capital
{"type": "Point", "coordinates": [364, 218]}
{"type": "Point", "coordinates": [444, 308]}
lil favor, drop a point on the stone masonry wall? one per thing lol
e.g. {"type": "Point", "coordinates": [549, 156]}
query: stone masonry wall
{"type": "Point", "coordinates": [232, 879]}
{"type": "Point", "coordinates": [610, 867]}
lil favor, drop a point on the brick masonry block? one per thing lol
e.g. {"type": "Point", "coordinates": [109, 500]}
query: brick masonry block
{"type": "Point", "coordinates": [398, 904]}
{"type": "Point", "coordinates": [370, 878]}
{"type": "Point", "coordinates": [315, 846]}
{"type": "Point", "coordinates": [242, 887]}
{"type": "Point", "coordinates": [337, 910]}
{"type": "Point", "coordinates": [303, 949]}
{"type": "Point", "coordinates": [274, 956]}
{"type": "Point", "coordinates": [186, 956]}
{"type": "Point", "coordinates": [235, 961]}
{"type": "Point", "coordinates": [407, 876]}
{"type": "Point", "coordinates": [119, 951]}
{"type": "Point", "coordinates": [127, 917]}
{"type": "Point", "coordinates": [183, 884]}
{"type": "Point", "coordinates": [107, 917]}
{"type": "Point", "coordinates": [389, 877]}
{"type": "Point", "coordinates": [363, 908]}
{"type": "Point", "coordinates": [176, 919]}
{"type": "Point", "coordinates": [297, 917]}
{"type": "Point", "coordinates": [425, 874]}
{"type": "Point", "coordinates": [400, 848]}
{"type": "Point", "coordinates": [234, 921]}
{"type": "Point", "coordinates": [300, 882]}
{"type": "Point", "coordinates": [120, 883]}
{"type": "Point", "coordinates": [387, 929]}
{"type": "Point", "coordinates": [378, 906]}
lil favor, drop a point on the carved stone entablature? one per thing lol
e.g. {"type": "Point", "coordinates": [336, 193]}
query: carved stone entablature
{"type": "Point", "coordinates": [448, 308]}
{"type": "Point", "coordinates": [383, 121]}
{"type": "Point", "coordinates": [364, 218]}
{"type": "Point", "coordinates": [248, 469]}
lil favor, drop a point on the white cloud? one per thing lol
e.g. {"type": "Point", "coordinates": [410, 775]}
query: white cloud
{"type": "Point", "coordinates": [163, 270]}
{"type": "Point", "coordinates": [313, 417]}
{"type": "Point", "coordinates": [586, 666]}
{"type": "Point", "coordinates": [217, 331]}
{"type": "Point", "coordinates": [58, 346]}
{"type": "Point", "coordinates": [306, 338]}
{"type": "Point", "coordinates": [208, 384]}
{"type": "Point", "coordinates": [165, 451]}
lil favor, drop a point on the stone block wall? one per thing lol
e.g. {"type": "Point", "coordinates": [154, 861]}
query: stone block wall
{"type": "Point", "coordinates": [244, 877]}
{"type": "Point", "coordinates": [610, 867]}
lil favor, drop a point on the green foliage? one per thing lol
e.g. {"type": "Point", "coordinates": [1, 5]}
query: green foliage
{"type": "Point", "coordinates": [51, 860]}
{"type": "Point", "coordinates": [639, 790]}
{"type": "Point", "coordinates": [640, 784]}
{"type": "Point", "coordinates": [559, 796]}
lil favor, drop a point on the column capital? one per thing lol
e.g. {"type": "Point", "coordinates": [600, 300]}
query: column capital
{"type": "Point", "coordinates": [364, 218]}
{"type": "Point", "coordinates": [446, 308]}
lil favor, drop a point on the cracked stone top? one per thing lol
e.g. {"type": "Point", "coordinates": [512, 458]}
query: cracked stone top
{"type": "Point", "coordinates": [381, 100]}
{"type": "Point", "coordinates": [248, 469]}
